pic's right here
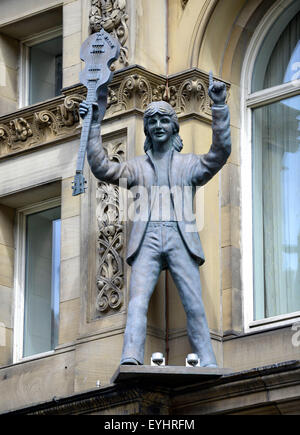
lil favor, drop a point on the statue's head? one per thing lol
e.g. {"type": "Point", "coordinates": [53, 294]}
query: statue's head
{"type": "Point", "coordinates": [164, 109]}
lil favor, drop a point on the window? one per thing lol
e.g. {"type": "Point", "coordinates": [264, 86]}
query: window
{"type": "Point", "coordinates": [37, 279]}
{"type": "Point", "coordinates": [273, 161]}
{"type": "Point", "coordinates": [31, 47]}
{"type": "Point", "coordinates": [41, 67]}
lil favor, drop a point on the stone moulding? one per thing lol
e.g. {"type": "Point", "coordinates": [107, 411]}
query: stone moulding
{"type": "Point", "coordinates": [41, 124]}
{"type": "Point", "coordinates": [131, 89]}
{"type": "Point", "coordinates": [268, 390]}
{"type": "Point", "coordinates": [135, 88]}
{"type": "Point", "coordinates": [184, 3]}
{"type": "Point", "coordinates": [110, 277]}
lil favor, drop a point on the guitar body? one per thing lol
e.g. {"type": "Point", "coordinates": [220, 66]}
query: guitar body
{"type": "Point", "coordinates": [98, 52]}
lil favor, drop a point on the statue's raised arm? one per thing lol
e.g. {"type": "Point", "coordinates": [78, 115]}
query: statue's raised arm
{"type": "Point", "coordinates": [216, 91]}
{"type": "Point", "coordinates": [205, 166]}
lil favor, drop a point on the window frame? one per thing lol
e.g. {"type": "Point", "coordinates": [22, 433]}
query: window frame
{"type": "Point", "coordinates": [249, 101]}
{"type": "Point", "coordinates": [19, 275]}
{"type": "Point", "coordinates": [25, 45]}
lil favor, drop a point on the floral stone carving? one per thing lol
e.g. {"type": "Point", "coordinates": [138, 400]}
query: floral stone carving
{"type": "Point", "coordinates": [112, 17]}
{"type": "Point", "coordinates": [110, 273]}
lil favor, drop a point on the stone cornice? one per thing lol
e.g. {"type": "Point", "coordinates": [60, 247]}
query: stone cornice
{"type": "Point", "coordinates": [34, 126]}
{"type": "Point", "coordinates": [256, 390]}
{"type": "Point", "coordinates": [130, 91]}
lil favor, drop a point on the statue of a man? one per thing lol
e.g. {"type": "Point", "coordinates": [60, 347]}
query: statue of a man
{"type": "Point", "coordinates": [156, 243]}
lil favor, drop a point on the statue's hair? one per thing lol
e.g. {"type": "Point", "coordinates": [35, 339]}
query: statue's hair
{"type": "Point", "coordinates": [162, 108]}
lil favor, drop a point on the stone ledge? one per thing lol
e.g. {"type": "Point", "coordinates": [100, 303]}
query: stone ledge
{"type": "Point", "coordinates": [130, 91]}
{"type": "Point", "coordinates": [270, 389]}
{"type": "Point", "coordinates": [168, 376]}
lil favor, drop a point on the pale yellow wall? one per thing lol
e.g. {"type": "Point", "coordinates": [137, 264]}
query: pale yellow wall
{"type": "Point", "coordinates": [147, 34]}
{"type": "Point", "coordinates": [6, 282]}
{"type": "Point", "coordinates": [72, 40]}
{"type": "Point", "coordinates": [70, 264]}
{"type": "Point", "coordinates": [199, 34]}
{"type": "Point", "coordinates": [15, 9]}
{"type": "Point", "coordinates": [216, 36]}
{"type": "Point", "coordinates": [9, 67]}
{"type": "Point", "coordinates": [183, 29]}
{"type": "Point", "coordinates": [197, 138]}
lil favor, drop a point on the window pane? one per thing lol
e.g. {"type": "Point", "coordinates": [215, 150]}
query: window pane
{"type": "Point", "coordinates": [276, 190]}
{"type": "Point", "coordinates": [55, 282]}
{"type": "Point", "coordinates": [279, 59]}
{"type": "Point", "coordinates": [41, 281]}
{"type": "Point", "coordinates": [45, 70]}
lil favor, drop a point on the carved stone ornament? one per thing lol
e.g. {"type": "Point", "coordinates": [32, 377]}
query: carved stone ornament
{"type": "Point", "coordinates": [193, 95]}
{"type": "Point", "coordinates": [44, 124]}
{"type": "Point", "coordinates": [112, 17]}
{"type": "Point", "coordinates": [184, 3]}
{"type": "Point", "coordinates": [187, 92]}
{"type": "Point", "coordinates": [110, 273]}
{"type": "Point", "coordinates": [131, 90]}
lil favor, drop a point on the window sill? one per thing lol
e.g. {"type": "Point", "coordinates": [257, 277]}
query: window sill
{"type": "Point", "coordinates": [36, 356]}
{"type": "Point", "coordinates": [273, 322]}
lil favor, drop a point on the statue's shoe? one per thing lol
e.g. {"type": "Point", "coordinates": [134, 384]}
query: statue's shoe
{"type": "Point", "coordinates": [129, 362]}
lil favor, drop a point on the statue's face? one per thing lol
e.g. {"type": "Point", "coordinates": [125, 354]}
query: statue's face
{"type": "Point", "coordinates": [160, 128]}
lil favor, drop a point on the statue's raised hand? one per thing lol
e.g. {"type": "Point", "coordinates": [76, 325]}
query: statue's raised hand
{"type": "Point", "coordinates": [216, 90]}
{"type": "Point", "coordinates": [84, 107]}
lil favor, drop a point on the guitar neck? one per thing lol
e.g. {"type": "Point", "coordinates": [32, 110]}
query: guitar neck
{"type": "Point", "coordinates": [91, 98]}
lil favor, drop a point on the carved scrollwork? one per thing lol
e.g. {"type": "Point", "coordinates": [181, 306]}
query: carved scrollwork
{"type": "Point", "coordinates": [134, 91]}
{"type": "Point", "coordinates": [110, 273]}
{"type": "Point", "coordinates": [46, 119]}
{"type": "Point", "coordinates": [21, 133]}
{"type": "Point", "coordinates": [21, 130]}
{"type": "Point", "coordinates": [67, 113]}
{"type": "Point", "coordinates": [159, 93]}
{"type": "Point", "coordinates": [170, 95]}
{"type": "Point", "coordinates": [112, 17]}
{"type": "Point", "coordinates": [5, 139]}
{"type": "Point", "coordinates": [192, 95]}
{"type": "Point", "coordinates": [137, 86]}
{"type": "Point", "coordinates": [133, 88]}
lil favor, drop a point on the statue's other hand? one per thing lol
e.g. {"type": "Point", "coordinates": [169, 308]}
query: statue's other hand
{"type": "Point", "coordinates": [216, 91]}
{"type": "Point", "coordinates": [84, 107]}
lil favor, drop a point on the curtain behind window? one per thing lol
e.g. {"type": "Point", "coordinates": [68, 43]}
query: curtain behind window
{"type": "Point", "coordinates": [285, 55]}
{"type": "Point", "coordinates": [276, 186]}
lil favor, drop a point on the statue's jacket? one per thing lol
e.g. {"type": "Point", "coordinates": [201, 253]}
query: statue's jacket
{"type": "Point", "coordinates": [186, 172]}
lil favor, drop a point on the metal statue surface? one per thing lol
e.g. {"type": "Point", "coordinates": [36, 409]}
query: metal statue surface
{"type": "Point", "coordinates": [98, 52]}
{"type": "Point", "coordinates": [164, 233]}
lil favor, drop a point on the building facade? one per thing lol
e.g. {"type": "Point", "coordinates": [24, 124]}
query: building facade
{"type": "Point", "coordinates": [63, 275]}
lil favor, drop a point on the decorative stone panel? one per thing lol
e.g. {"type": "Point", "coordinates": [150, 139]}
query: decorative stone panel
{"type": "Point", "coordinates": [38, 125]}
{"type": "Point", "coordinates": [132, 89]}
{"type": "Point", "coordinates": [110, 276]}
{"type": "Point", "coordinates": [112, 17]}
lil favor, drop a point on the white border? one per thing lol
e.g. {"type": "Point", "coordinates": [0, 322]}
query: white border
{"type": "Point", "coordinates": [19, 274]}
{"type": "Point", "coordinates": [248, 102]}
